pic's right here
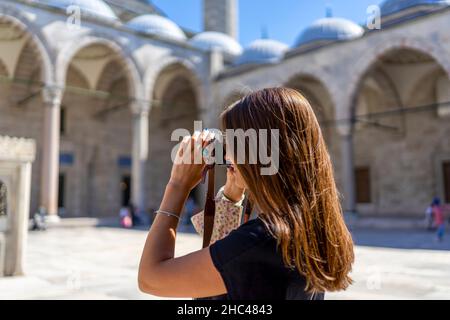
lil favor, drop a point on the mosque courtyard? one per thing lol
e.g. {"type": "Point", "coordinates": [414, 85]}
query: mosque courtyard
{"type": "Point", "coordinates": [101, 263]}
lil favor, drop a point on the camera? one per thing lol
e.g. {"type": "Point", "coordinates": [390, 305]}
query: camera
{"type": "Point", "coordinates": [215, 151]}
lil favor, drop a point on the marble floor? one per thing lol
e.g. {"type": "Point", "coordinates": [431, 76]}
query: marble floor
{"type": "Point", "coordinates": [101, 263]}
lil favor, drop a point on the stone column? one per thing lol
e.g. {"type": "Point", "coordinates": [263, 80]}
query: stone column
{"type": "Point", "coordinates": [348, 171]}
{"type": "Point", "coordinates": [140, 112]}
{"type": "Point", "coordinates": [50, 151]}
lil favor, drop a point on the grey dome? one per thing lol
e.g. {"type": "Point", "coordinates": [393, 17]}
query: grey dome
{"type": "Point", "coordinates": [157, 25]}
{"type": "Point", "coordinates": [215, 40]}
{"type": "Point", "coordinates": [330, 29]}
{"type": "Point", "coordinates": [263, 51]}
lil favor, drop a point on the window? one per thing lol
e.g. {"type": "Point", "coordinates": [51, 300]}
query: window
{"type": "Point", "coordinates": [66, 159]}
{"type": "Point", "coordinates": [62, 121]}
{"type": "Point", "coordinates": [125, 186]}
{"type": "Point", "coordinates": [446, 172]}
{"type": "Point", "coordinates": [3, 200]}
{"type": "Point", "coordinates": [362, 177]}
{"type": "Point", "coordinates": [61, 191]}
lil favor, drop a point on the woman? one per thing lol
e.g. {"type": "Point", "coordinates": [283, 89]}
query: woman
{"type": "Point", "coordinates": [297, 248]}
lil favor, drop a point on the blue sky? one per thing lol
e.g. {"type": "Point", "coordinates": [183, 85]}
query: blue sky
{"type": "Point", "coordinates": [283, 19]}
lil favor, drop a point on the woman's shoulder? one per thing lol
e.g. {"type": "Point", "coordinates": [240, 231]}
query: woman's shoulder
{"type": "Point", "coordinates": [243, 240]}
{"type": "Point", "coordinates": [254, 229]}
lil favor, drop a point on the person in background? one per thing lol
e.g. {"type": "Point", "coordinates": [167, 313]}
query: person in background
{"type": "Point", "coordinates": [429, 217]}
{"type": "Point", "coordinates": [38, 220]}
{"type": "Point", "coordinates": [134, 214]}
{"type": "Point", "coordinates": [126, 220]}
{"type": "Point", "coordinates": [439, 220]}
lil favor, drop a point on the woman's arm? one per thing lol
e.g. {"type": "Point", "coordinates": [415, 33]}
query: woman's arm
{"type": "Point", "coordinates": [193, 275]}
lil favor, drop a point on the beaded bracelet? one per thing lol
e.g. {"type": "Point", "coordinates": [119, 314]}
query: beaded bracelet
{"type": "Point", "coordinates": [169, 214]}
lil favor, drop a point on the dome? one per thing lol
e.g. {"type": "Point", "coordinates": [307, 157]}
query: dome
{"type": "Point", "coordinates": [263, 51]}
{"type": "Point", "coordinates": [210, 40]}
{"type": "Point", "coordinates": [91, 7]}
{"type": "Point", "coordinates": [389, 7]}
{"type": "Point", "coordinates": [157, 25]}
{"type": "Point", "coordinates": [330, 29]}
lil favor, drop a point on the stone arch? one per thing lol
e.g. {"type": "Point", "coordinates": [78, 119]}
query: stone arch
{"type": "Point", "coordinates": [314, 89]}
{"type": "Point", "coordinates": [176, 104]}
{"type": "Point", "coordinates": [319, 75]}
{"type": "Point", "coordinates": [66, 55]}
{"type": "Point", "coordinates": [370, 57]}
{"type": "Point", "coordinates": [153, 73]}
{"type": "Point", "coordinates": [427, 82]}
{"type": "Point", "coordinates": [27, 74]}
{"type": "Point", "coordinates": [377, 94]}
{"type": "Point", "coordinates": [392, 94]}
{"type": "Point", "coordinates": [102, 83]}
{"type": "Point", "coordinates": [39, 40]}
{"type": "Point", "coordinates": [76, 78]}
{"type": "Point", "coordinates": [115, 82]}
{"type": "Point", "coordinates": [394, 149]}
{"type": "Point", "coordinates": [319, 96]}
{"type": "Point", "coordinates": [173, 81]}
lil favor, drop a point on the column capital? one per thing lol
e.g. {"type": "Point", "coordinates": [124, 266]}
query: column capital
{"type": "Point", "coordinates": [53, 95]}
{"type": "Point", "coordinates": [140, 107]}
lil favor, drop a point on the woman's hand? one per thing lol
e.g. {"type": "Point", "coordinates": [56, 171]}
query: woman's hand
{"type": "Point", "coordinates": [188, 164]}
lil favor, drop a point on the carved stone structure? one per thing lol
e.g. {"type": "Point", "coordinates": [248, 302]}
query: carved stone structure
{"type": "Point", "coordinates": [16, 157]}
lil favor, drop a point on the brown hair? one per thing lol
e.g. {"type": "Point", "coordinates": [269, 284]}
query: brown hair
{"type": "Point", "coordinates": [300, 204]}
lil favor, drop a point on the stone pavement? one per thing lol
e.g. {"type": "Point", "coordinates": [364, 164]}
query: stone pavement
{"type": "Point", "coordinates": [101, 263]}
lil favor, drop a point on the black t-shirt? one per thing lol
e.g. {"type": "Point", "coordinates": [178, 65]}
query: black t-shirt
{"type": "Point", "coordinates": [252, 267]}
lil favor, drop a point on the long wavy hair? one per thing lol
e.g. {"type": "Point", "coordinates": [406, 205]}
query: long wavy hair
{"type": "Point", "coordinates": [300, 203]}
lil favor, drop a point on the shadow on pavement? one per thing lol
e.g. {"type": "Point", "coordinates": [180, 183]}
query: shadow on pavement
{"type": "Point", "coordinates": [182, 228]}
{"type": "Point", "coordinates": [405, 238]}
{"type": "Point", "coordinates": [400, 239]}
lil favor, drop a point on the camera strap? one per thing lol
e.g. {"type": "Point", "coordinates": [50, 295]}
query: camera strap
{"type": "Point", "coordinates": [210, 206]}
